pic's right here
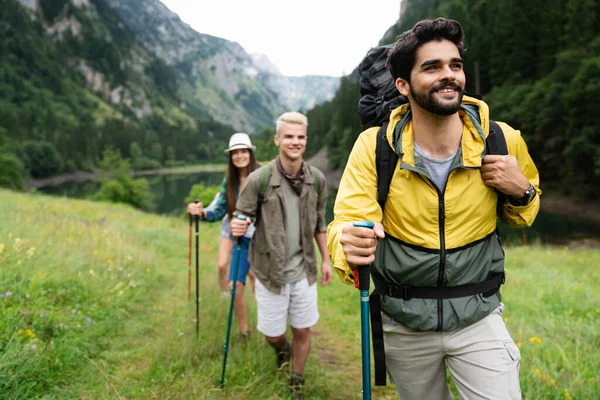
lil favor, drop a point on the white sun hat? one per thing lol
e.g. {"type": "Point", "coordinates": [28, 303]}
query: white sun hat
{"type": "Point", "coordinates": [240, 141]}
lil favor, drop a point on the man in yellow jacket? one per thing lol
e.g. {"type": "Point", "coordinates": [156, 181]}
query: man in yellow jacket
{"type": "Point", "coordinates": [434, 250]}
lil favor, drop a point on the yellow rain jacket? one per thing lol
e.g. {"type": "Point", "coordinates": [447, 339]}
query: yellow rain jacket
{"type": "Point", "coordinates": [432, 239]}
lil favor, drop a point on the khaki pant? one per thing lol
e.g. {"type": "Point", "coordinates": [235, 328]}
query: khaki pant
{"type": "Point", "coordinates": [482, 358]}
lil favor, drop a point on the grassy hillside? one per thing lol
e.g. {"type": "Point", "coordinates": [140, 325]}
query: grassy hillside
{"type": "Point", "coordinates": [93, 305]}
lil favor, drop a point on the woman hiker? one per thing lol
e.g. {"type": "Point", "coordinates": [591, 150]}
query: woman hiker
{"type": "Point", "coordinates": [241, 163]}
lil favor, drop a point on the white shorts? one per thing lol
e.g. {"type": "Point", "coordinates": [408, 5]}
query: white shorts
{"type": "Point", "coordinates": [298, 300]}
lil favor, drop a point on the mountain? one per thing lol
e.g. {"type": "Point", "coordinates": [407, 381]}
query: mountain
{"type": "Point", "coordinates": [299, 93]}
{"type": "Point", "coordinates": [79, 76]}
{"type": "Point", "coordinates": [237, 88]}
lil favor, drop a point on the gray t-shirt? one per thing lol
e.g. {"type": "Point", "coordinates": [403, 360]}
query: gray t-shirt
{"type": "Point", "coordinates": [294, 269]}
{"type": "Point", "coordinates": [438, 169]}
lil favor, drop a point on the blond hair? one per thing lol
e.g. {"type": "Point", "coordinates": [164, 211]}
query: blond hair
{"type": "Point", "coordinates": [292, 117]}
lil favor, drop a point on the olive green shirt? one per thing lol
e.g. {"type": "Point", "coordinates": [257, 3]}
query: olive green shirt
{"type": "Point", "coordinates": [267, 253]}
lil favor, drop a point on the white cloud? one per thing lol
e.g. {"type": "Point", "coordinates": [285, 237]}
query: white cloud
{"type": "Point", "coordinates": [308, 37]}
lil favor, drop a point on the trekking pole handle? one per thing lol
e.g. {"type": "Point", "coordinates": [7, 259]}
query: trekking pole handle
{"type": "Point", "coordinates": [196, 217]}
{"type": "Point", "coordinates": [364, 271]}
{"type": "Point", "coordinates": [243, 218]}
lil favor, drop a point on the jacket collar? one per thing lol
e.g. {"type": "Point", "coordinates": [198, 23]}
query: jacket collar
{"type": "Point", "coordinates": [474, 114]}
{"type": "Point", "coordinates": [277, 178]}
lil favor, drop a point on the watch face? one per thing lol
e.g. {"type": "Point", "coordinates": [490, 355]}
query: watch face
{"type": "Point", "coordinates": [529, 194]}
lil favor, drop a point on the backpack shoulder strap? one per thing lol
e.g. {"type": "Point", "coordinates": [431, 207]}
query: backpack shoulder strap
{"type": "Point", "coordinates": [496, 142]}
{"type": "Point", "coordinates": [385, 161]}
{"type": "Point", "coordinates": [317, 178]}
{"type": "Point", "coordinates": [265, 175]}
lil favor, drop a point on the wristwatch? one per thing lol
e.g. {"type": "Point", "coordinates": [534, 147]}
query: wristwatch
{"type": "Point", "coordinates": [526, 199]}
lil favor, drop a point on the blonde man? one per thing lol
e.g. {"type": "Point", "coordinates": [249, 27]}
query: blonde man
{"type": "Point", "coordinates": [282, 253]}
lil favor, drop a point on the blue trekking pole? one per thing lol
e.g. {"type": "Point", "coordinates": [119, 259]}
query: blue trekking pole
{"type": "Point", "coordinates": [364, 283]}
{"type": "Point", "coordinates": [238, 251]}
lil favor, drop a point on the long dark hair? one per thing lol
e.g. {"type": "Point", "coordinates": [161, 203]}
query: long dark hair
{"type": "Point", "coordinates": [233, 180]}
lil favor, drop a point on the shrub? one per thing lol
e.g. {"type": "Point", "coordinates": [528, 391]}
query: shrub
{"type": "Point", "coordinates": [125, 189]}
{"type": "Point", "coordinates": [204, 194]}
{"type": "Point", "coordinates": [41, 159]}
{"type": "Point", "coordinates": [11, 171]}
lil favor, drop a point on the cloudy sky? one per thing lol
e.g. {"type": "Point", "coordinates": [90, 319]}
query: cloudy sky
{"type": "Point", "coordinates": [308, 37]}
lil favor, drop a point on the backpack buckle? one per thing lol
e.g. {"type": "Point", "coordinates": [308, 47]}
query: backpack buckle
{"type": "Point", "coordinates": [399, 292]}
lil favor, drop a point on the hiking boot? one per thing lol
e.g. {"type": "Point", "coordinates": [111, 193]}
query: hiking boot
{"type": "Point", "coordinates": [296, 385]}
{"type": "Point", "coordinates": [283, 357]}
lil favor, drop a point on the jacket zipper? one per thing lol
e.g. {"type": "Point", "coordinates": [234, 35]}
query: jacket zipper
{"type": "Point", "coordinates": [440, 283]}
{"type": "Point", "coordinates": [442, 267]}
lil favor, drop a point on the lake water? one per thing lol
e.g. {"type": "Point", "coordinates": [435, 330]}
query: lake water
{"type": "Point", "coordinates": [170, 191]}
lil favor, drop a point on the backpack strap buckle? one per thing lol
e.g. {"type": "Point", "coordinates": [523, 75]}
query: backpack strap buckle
{"type": "Point", "coordinates": [403, 292]}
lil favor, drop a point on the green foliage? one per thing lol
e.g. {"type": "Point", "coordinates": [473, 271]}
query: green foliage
{"type": "Point", "coordinates": [541, 78]}
{"type": "Point", "coordinates": [335, 124]}
{"type": "Point", "coordinates": [118, 186]}
{"type": "Point", "coordinates": [125, 189]}
{"type": "Point", "coordinates": [204, 194]}
{"type": "Point", "coordinates": [265, 145]}
{"type": "Point", "coordinates": [94, 283]}
{"type": "Point", "coordinates": [43, 95]}
{"type": "Point", "coordinates": [52, 8]}
{"type": "Point", "coordinates": [11, 171]}
{"type": "Point", "coordinates": [40, 158]}
{"type": "Point", "coordinates": [139, 161]}
{"type": "Point", "coordinates": [113, 164]}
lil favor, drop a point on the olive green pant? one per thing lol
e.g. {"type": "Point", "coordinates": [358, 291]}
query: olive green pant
{"type": "Point", "coordinates": [482, 359]}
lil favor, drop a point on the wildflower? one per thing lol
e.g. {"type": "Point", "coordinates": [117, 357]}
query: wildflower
{"type": "Point", "coordinates": [109, 261]}
{"type": "Point", "coordinates": [33, 347]}
{"type": "Point", "coordinates": [1, 295]}
{"type": "Point", "coordinates": [96, 252]}
{"type": "Point", "coordinates": [592, 379]}
{"type": "Point", "coordinates": [20, 331]}
{"type": "Point", "coordinates": [535, 339]}
{"type": "Point", "coordinates": [91, 272]}
{"type": "Point", "coordinates": [88, 320]}
{"type": "Point", "coordinates": [73, 311]}
{"type": "Point", "coordinates": [70, 239]}
{"type": "Point", "coordinates": [30, 333]}
{"type": "Point", "coordinates": [129, 258]}
{"type": "Point", "coordinates": [567, 395]}
{"type": "Point", "coordinates": [31, 251]}
{"type": "Point", "coordinates": [1, 248]}
{"type": "Point", "coordinates": [42, 315]}
{"type": "Point", "coordinates": [8, 294]}
{"type": "Point", "coordinates": [180, 334]}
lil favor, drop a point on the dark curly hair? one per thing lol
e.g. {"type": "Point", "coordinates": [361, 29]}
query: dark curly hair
{"type": "Point", "coordinates": [401, 57]}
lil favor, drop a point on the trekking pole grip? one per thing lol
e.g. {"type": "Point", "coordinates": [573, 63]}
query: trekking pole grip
{"type": "Point", "coordinates": [196, 201]}
{"type": "Point", "coordinates": [239, 238]}
{"type": "Point", "coordinates": [364, 271]}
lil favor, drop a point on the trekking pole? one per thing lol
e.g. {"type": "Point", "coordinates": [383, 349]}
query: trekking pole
{"type": "Point", "coordinates": [364, 283]}
{"type": "Point", "coordinates": [238, 251]}
{"type": "Point", "coordinates": [190, 259]}
{"type": "Point", "coordinates": [197, 218]}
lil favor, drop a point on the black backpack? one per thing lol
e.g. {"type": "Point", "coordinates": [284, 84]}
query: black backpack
{"type": "Point", "coordinates": [379, 96]}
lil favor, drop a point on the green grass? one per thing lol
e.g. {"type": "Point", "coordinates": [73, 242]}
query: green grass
{"type": "Point", "coordinates": [98, 310]}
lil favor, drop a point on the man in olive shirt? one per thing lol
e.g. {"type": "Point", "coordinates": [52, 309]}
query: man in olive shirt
{"type": "Point", "coordinates": [282, 253]}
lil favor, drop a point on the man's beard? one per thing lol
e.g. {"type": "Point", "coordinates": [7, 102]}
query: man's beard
{"type": "Point", "coordinates": [428, 102]}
